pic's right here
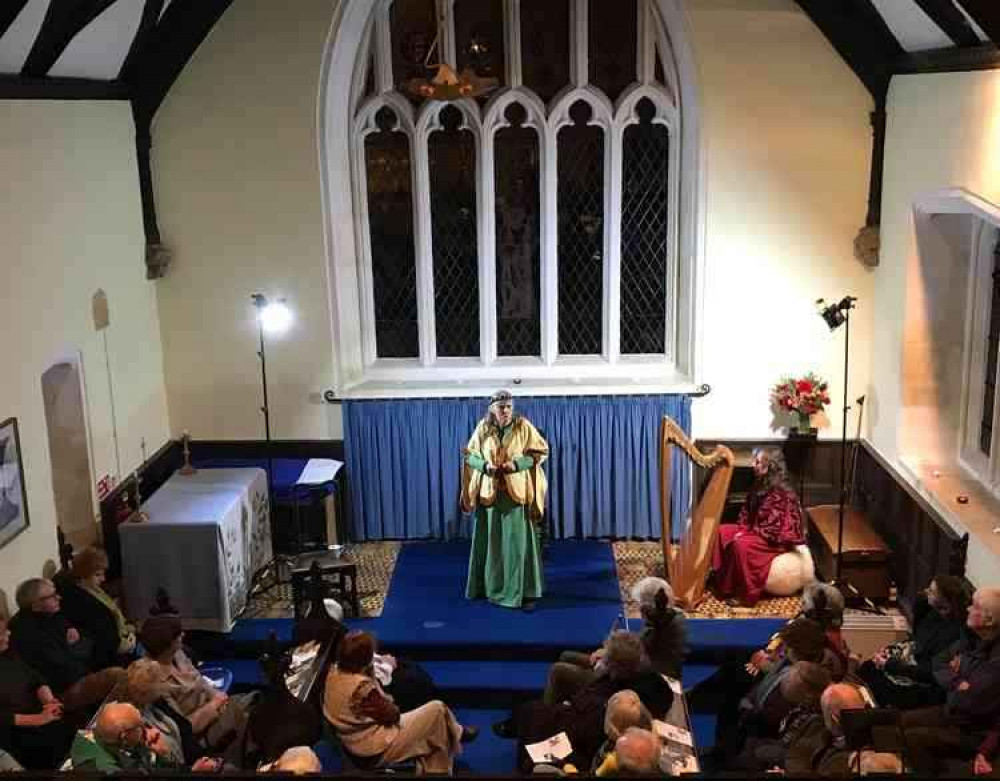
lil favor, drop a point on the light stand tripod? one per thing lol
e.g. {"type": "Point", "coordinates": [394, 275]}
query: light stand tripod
{"type": "Point", "coordinates": [836, 315]}
{"type": "Point", "coordinates": [270, 317]}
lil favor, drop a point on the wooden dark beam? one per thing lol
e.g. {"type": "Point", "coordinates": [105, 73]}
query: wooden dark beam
{"type": "Point", "coordinates": [147, 25]}
{"type": "Point", "coordinates": [860, 35]}
{"type": "Point", "coordinates": [952, 59]}
{"type": "Point", "coordinates": [176, 37]}
{"type": "Point", "coordinates": [21, 88]}
{"type": "Point", "coordinates": [63, 20]}
{"type": "Point", "coordinates": [986, 14]}
{"type": "Point", "coordinates": [952, 22]}
{"type": "Point", "coordinates": [9, 11]}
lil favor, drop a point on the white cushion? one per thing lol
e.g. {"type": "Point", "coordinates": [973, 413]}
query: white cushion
{"type": "Point", "coordinates": [790, 572]}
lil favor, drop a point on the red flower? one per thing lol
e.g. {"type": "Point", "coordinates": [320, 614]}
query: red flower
{"type": "Point", "coordinates": [804, 386]}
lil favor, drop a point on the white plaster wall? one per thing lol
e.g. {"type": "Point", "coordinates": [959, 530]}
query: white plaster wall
{"type": "Point", "coordinates": [236, 170]}
{"type": "Point", "coordinates": [787, 145]}
{"type": "Point", "coordinates": [943, 131]}
{"type": "Point", "coordinates": [71, 223]}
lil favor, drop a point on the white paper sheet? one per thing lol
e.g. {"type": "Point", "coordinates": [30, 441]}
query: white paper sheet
{"type": "Point", "coordinates": [555, 748]}
{"type": "Point", "coordinates": [318, 471]}
{"type": "Point", "coordinates": [670, 732]}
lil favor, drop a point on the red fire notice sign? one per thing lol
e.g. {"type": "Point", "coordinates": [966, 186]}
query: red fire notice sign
{"type": "Point", "coordinates": [104, 486]}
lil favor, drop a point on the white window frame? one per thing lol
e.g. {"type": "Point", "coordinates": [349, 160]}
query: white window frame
{"type": "Point", "coordinates": [979, 301]}
{"type": "Point", "coordinates": [663, 28]}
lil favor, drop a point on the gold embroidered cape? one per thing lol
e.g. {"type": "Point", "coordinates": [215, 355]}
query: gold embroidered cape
{"type": "Point", "coordinates": [521, 444]}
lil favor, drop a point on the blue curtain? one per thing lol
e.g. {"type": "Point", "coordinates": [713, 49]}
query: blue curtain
{"type": "Point", "coordinates": [404, 461]}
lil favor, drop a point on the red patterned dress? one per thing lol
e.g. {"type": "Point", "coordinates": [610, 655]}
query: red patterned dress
{"type": "Point", "coordinates": [770, 524]}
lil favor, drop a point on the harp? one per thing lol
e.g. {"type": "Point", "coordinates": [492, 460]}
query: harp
{"type": "Point", "coordinates": [687, 570]}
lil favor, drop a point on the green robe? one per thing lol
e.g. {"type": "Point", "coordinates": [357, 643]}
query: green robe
{"type": "Point", "coordinates": [505, 562]}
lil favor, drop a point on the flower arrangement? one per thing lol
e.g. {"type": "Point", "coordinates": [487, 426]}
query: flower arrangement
{"type": "Point", "coordinates": [802, 396]}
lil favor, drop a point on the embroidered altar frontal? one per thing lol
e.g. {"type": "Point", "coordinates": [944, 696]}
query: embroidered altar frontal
{"type": "Point", "coordinates": [206, 535]}
{"type": "Point", "coordinates": [404, 460]}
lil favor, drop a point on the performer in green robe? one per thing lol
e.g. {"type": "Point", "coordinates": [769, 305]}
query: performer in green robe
{"type": "Point", "coordinates": [503, 482]}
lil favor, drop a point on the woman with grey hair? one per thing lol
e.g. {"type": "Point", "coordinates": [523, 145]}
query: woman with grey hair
{"type": "Point", "coordinates": [664, 630]}
{"type": "Point", "coordinates": [503, 483]}
{"type": "Point", "coordinates": [769, 524]}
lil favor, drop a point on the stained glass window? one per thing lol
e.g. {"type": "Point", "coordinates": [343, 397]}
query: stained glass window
{"type": "Point", "coordinates": [479, 37]}
{"type": "Point", "coordinates": [581, 234]}
{"type": "Point", "coordinates": [517, 236]}
{"type": "Point", "coordinates": [413, 32]}
{"type": "Point", "coordinates": [612, 34]}
{"type": "Point", "coordinates": [645, 233]}
{"type": "Point", "coordinates": [390, 223]}
{"type": "Point", "coordinates": [452, 152]}
{"type": "Point", "coordinates": [545, 26]}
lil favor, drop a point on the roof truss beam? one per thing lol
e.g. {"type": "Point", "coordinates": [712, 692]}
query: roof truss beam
{"type": "Point", "coordinates": [860, 35]}
{"type": "Point", "coordinates": [952, 22]}
{"type": "Point", "coordinates": [9, 11]}
{"type": "Point", "coordinates": [986, 14]}
{"type": "Point", "coordinates": [63, 20]}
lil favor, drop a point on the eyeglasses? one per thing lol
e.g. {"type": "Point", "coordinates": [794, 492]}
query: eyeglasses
{"type": "Point", "coordinates": [53, 595]}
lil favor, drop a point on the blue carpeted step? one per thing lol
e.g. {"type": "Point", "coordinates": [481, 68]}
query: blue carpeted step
{"type": "Point", "coordinates": [696, 673]}
{"type": "Point", "coordinates": [488, 754]}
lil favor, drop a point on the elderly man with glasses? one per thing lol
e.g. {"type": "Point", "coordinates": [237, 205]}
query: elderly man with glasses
{"type": "Point", "coordinates": [56, 649]}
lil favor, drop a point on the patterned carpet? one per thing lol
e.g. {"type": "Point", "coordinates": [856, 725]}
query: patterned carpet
{"type": "Point", "coordinates": [633, 560]}
{"type": "Point", "coordinates": [376, 562]}
{"type": "Point", "coordinates": [637, 560]}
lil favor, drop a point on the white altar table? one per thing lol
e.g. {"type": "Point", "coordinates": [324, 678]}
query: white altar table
{"type": "Point", "coordinates": [207, 534]}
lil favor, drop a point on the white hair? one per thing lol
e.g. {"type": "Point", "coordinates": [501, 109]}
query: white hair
{"type": "Point", "coordinates": [644, 592]}
{"type": "Point", "coordinates": [638, 751]}
{"type": "Point", "coordinates": [625, 710]}
{"type": "Point", "coordinates": [989, 603]}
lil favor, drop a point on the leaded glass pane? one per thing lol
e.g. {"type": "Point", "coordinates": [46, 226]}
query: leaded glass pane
{"type": "Point", "coordinates": [545, 46]}
{"type": "Point", "coordinates": [645, 214]}
{"type": "Point", "coordinates": [452, 154]}
{"type": "Point", "coordinates": [390, 223]}
{"type": "Point", "coordinates": [479, 37]}
{"type": "Point", "coordinates": [612, 34]}
{"type": "Point", "coordinates": [413, 29]}
{"type": "Point", "coordinates": [581, 234]}
{"type": "Point", "coordinates": [517, 235]}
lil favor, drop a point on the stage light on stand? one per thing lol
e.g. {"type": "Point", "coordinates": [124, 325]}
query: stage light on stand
{"type": "Point", "coordinates": [275, 317]}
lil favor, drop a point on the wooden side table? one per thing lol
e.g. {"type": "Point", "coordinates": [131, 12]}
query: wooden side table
{"type": "Point", "coordinates": [339, 573]}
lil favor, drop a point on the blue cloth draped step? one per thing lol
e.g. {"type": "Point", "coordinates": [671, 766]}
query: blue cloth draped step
{"type": "Point", "coordinates": [404, 459]}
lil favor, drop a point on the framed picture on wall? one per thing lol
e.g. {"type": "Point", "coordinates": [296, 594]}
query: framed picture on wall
{"type": "Point", "coordinates": [13, 497]}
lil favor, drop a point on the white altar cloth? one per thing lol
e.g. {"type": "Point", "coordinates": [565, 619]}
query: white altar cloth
{"type": "Point", "coordinates": [207, 534]}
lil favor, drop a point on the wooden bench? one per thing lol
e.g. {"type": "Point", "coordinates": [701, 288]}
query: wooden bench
{"type": "Point", "coordinates": [865, 556]}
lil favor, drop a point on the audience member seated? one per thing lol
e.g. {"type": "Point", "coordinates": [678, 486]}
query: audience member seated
{"type": "Point", "coordinates": [663, 635]}
{"type": "Point", "coordinates": [820, 747]}
{"type": "Point", "coordinates": [957, 729]}
{"type": "Point", "coordinates": [773, 720]}
{"type": "Point", "coordinates": [737, 689]}
{"type": "Point", "coordinates": [409, 684]}
{"type": "Point", "coordinates": [89, 608]}
{"type": "Point", "coordinates": [638, 752]}
{"type": "Point", "coordinates": [983, 763]}
{"type": "Point", "coordinates": [214, 716]}
{"type": "Point", "coordinates": [901, 675]}
{"type": "Point", "coordinates": [624, 710]}
{"type": "Point", "coordinates": [32, 727]}
{"type": "Point", "coordinates": [121, 742]}
{"type": "Point", "coordinates": [770, 523]}
{"type": "Point", "coordinates": [58, 650]}
{"type": "Point", "coordinates": [581, 716]}
{"type": "Point", "coordinates": [296, 761]}
{"type": "Point", "coordinates": [371, 726]}
{"type": "Point", "coordinates": [824, 604]}
{"type": "Point", "coordinates": [146, 689]}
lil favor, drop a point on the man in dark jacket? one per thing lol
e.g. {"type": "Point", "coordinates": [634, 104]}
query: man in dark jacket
{"type": "Point", "coordinates": [957, 729]}
{"type": "Point", "coordinates": [63, 657]}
